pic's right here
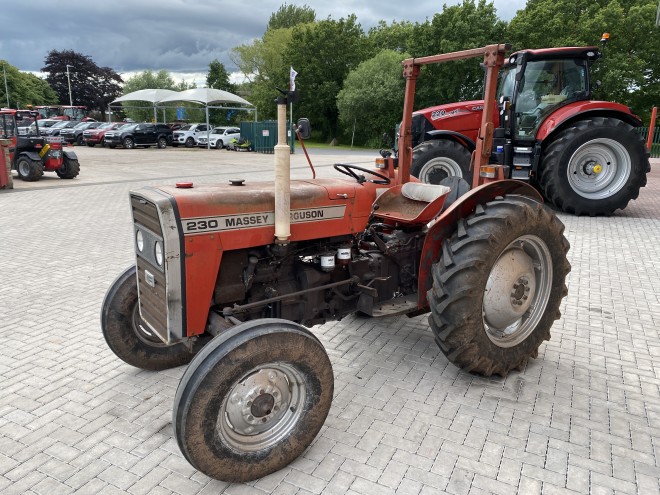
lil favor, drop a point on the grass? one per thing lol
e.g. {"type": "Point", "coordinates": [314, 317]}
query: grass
{"type": "Point", "coordinates": [309, 143]}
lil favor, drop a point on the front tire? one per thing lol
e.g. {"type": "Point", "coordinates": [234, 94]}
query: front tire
{"type": "Point", "coordinates": [498, 286]}
{"type": "Point", "coordinates": [219, 144]}
{"type": "Point", "coordinates": [253, 400]}
{"type": "Point", "coordinates": [129, 337]}
{"type": "Point", "coordinates": [28, 169]}
{"type": "Point", "coordinates": [190, 142]}
{"type": "Point", "coordinates": [128, 143]}
{"type": "Point", "coordinates": [434, 161]}
{"type": "Point", "coordinates": [162, 143]}
{"type": "Point", "coordinates": [70, 168]}
{"type": "Point", "coordinates": [594, 167]}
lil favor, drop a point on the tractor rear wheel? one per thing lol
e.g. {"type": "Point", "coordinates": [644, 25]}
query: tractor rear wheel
{"type": "Point", "coordinates": [594, 167]}
{"type": "Point", "coordinates": [498, 285]}
{"type": "Point", "coordinates": [70, 168]}
{"type": "Point", "coordinates": [129, 337]}
{"type": "Point", "coordinates": [253, 400]}
{"type": "Point", "coordinates": [436, 160]}
{"type": "Point", "coordinates": [28, 169]}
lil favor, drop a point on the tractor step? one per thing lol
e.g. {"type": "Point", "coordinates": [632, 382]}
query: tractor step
{"type": "Point", "coordinates": [396, 306]}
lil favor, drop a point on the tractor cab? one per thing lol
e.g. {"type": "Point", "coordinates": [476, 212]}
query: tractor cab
{"type": "Point", "coordinates": [31, 139]}
{"type": "Point", "coordinates": [535, 83]}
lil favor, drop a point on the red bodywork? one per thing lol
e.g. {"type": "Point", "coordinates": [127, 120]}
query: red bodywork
{"type": "Point", "coordinates": [96, 135]}
{"type": "Point", "coordinates": [63, 112]}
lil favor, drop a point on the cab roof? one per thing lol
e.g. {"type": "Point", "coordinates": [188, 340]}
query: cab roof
{"type": "Point", "coordinates": [586, 52]}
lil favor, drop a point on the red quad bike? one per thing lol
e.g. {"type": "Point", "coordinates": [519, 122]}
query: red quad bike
{"type": "Point", "coordinates": [229, 277]}
{"type": "Point", "coordinates": [32, 154]}
{"type": "Point", "coordinates": [585, 156]}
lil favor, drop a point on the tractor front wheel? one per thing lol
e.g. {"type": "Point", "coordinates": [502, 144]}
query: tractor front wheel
{"type": "Point", "coordinates": [434, 161]}
{"type": "Point", "coordinates": [498, 285]}
{"type": "Point", "coordinates": [252, 400]}
{"type": "Point", "coordinates": [594, 167]}
{"type": "Point", "coordinates": [70, 168]}
{"type": "Point", "coordinates": [129, 337]}
{"type": "Point", "coordinates": [28, 169]}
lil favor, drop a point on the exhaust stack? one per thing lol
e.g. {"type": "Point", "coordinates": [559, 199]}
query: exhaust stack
{"type": "Point", "coordinates": [282, 179]}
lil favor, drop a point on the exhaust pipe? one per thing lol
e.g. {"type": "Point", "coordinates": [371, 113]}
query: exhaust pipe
{"type": "Point", "coordinates": [282, 180]}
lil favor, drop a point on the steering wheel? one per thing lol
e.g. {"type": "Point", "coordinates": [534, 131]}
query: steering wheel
{"type": "Point", "coordinates": [348, 170]}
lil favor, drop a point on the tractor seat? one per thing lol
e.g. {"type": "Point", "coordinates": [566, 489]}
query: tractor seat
{"type": "Point", "coordinates": [412, 203]}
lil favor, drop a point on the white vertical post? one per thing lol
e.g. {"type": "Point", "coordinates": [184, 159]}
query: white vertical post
{"type": "Point", "coordinates": [282, 180]}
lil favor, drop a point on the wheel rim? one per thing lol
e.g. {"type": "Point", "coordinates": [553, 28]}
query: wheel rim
{"type": "Point", "coordinates": [161, 143]}
{"type": "Point", "coordinates": [517, 291]}
{"type": "Point", "coordinates": [143, 332]}
{"type": "Point", "coordinates": [262, 408]}
{"type": "Point", "coordinates": [439, 168]}
{"type": "Point", "coordinates": [128, 143]}
{"type": "Point", "coordinates": [599, 168]}
{"type": "Point", "coordinates": [23, 168]}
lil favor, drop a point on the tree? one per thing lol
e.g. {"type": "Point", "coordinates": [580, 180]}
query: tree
{"type": "Point", "coordinates": [288, 16]}
{"type": "Point", "coordinates": [218, 77]}
{"type": "Point", "coordinates": [630, 70]}
{"type": "Point", "coordinates": [372, 97]}
{"type": "Point", "coordinates": [91, 85]}
{"type": "Point", "coordinates": [25, 89]}
{"type": "Point", "coordinates": [339, 46]}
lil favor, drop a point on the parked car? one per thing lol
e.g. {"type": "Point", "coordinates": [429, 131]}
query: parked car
{"type": "Point", "coordinates": [219, 137]}
{"type": "Point", "coordinates": [55, 129]}
{"type": "Point", "coordinates": [92, 137]}
{"type": "Point", "coordinates": [134, 135]}
{"type": "Point", "coordinates": [27, 127]}
{"type": "Point", "coordinates": [188, 134]}
{"type": "Point", "coordinates": [75, 133]}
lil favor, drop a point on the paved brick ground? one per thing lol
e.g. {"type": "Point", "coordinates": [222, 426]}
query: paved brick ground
{"type": "Point", "coordinates": [582, 418]}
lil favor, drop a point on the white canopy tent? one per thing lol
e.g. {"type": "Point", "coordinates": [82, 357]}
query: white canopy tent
{"type": "Point", "coordinates": [152, 96]}
{"type": "Point", "coordinates": [210, 98]}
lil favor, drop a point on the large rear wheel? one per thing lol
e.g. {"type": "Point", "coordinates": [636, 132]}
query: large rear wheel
{"type": "Point", "coordinates": [498, 285]}
{"type": "Point", "coordinates": [253, 400]}
{"type": "Point", "coordinates": [28, 169]}
{"type": "Point", "coordinates": [594, 167]}
{"type": "Point", "coordinates": [129, 337]}
{"type": "Point", "coordinates": [434, 161]}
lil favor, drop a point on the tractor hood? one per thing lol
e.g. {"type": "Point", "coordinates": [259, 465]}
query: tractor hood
{"type": "Point", "coordinates": [462, 117]}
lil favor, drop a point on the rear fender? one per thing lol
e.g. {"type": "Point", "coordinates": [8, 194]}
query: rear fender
{"type": "Point", "coordinates": [445, 225]}
{"type": "Point", "coordinates": [71, 155]}
{"type": "Point", "coordinates": [32, 155]}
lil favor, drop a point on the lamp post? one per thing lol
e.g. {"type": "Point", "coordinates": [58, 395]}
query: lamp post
{"type": "Point", "coordinates": [4, 71]}
{"type": "Point", "coordinates": [68, 78]}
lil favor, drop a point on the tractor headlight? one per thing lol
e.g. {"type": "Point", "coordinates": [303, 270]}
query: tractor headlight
{"type": "Point", "coordinates": [139, 240]}
{"type": "Point", "coordinates": [158, 251]}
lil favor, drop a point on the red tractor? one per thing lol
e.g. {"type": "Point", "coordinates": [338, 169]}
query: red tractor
{"type": "Point", "coordinates": [63, 112]}
{"type": "Point", "coordinates": [228, 277]}
{"type": "Point", "coordinates": [32, 154]}
{"type": "Point", "coordinates": [583, 155]}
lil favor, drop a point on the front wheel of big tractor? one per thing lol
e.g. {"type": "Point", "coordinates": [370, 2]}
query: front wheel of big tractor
{"type": "Point", "coordinates": [28, 169]}
{"type": "Point", "coordinates": [253, 400]}
{"type": "Point", "coordinates": [70, 168]}
{"type": "Point", "coordinates": [129, 337]}
{"type": "Point", "coordinates": [498, 285]}
{"type": "Point", "coordinates": [594, 167]}
{"type": "Point", "coordinates": [434, 161]}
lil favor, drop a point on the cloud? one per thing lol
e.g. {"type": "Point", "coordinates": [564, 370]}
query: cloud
{"type": "Point", "coordinates": [181, 36]}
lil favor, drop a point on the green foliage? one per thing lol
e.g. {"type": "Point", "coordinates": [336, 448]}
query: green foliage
{"type": "Point", "coordinates": [91, 85]}
{"type": "Point", "coordinates": [323, 54]}
{"type": "Point", "coordinates": [288, 16]}
{"type": "Point", "coordinates": [372, 98]}
{"type": "Point", "coordinates": [24, 89]}
{"type": "Point", "coordinates": [218, 77]}
{"type": "Point", "coordinates": [630, 70]}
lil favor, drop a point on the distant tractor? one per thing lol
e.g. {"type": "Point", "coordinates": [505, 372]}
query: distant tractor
{"type": "Point", "coordinates": [63, 112]}
{"type": "Point", "coordinates": [32, 154]}
{"type": "Point", "coordinates": [585, 156]}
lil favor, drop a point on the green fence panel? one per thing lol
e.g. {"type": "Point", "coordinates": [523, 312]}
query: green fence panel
{"type": "Point", "coordinates": [655, 146]}
{"type": "Point", "coordinates": [263, 135]}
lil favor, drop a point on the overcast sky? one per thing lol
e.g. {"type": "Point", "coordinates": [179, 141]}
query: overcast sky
{"type": "Point", "coordinates": [181, 36]}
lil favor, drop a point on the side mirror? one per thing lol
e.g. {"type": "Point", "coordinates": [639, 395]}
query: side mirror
{"type": "Point", "coordinates": [304, 128]}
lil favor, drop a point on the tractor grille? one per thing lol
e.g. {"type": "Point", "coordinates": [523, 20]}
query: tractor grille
{"type": "Point", "coordinates": [151, 278]}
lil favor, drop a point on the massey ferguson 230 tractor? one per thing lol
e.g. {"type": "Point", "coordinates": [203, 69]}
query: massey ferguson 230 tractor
{"type": "Point", "coordinates": [228, 277]}
{"type": "Point", "coordinates": [31, 154]}
{"type": "Point", "coordinates": [584, 155]}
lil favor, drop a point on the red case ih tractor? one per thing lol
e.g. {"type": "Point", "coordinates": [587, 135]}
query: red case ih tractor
{"type": "Point", "coordinates": [227, 277]}
{"type": "Point", "coordinates": [583, 155]}
{"type": "Point", "coordinates": [32, 154]}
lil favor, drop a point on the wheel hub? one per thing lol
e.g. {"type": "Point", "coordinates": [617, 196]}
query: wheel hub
{"type": "Point", "coordinates": [599, 168]}
{"type": "Point", "coordinates": [258, 402]}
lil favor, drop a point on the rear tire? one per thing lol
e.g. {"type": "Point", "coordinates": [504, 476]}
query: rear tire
{"type": "Point", "coordinates": [80, 141]}
{"type": "Point", "coordinates": [70, 169]}
{"type": "Point", "coordinates": [28, 169]}
{"type": "Point", "coordinates": [433, 161]}
{"type": "Point", "coordinates": [129, 338]}
{"type": "Point", "coordinates": [253, 400]}
{"type": "Point", "coordinates": [594, 167]}
{"type": "Point", "coordinates": [498, 286]}
{"type": "Point", "coordinates": [91, 145]}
